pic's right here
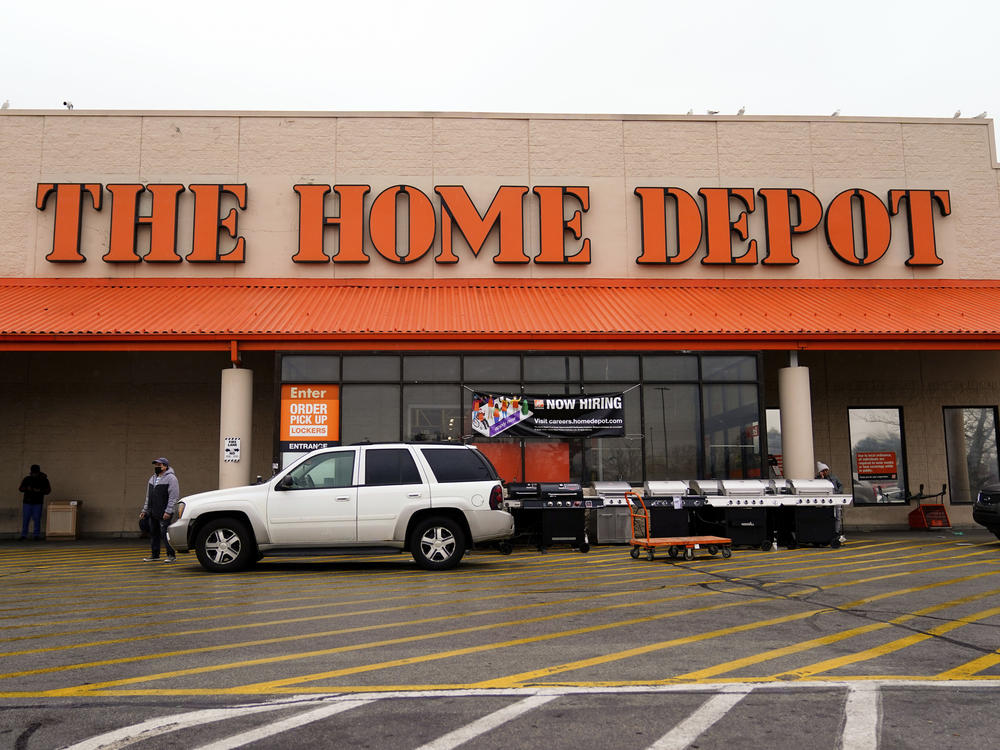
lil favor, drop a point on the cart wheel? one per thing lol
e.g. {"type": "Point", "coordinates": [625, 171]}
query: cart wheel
{"type": "Point", "coordinates": [634, 552]}
{"type": "Point", "coordinates": [688, 553]}
{"type": "Point", "coordinates": [834, 543]}
{"type": "Point", "coordinates": [673, 553]}
{"type": "Point", "coordinates": [585, 548]}
{"type": "Point", "coordinates": [505, 548]}
{"type": "Point", "coordinates": [727, 553]}
{"type": "Point", "coordinates": [765, 545]}
{"type": "Point", "coordinates": [650, 555]}
{"type": "Point", "coordinates": [713, 550]}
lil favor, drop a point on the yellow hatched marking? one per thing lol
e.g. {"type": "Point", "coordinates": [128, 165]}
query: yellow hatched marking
{"type": "Point", "coordinates": [95, 687]}
{"type": "Point", "coordinates": [886, 648]}
{"type": "Point", "coordinates": [777, 653]}
{"type": "Point", "coordinates": [519, 680]}
{"type": "Point", "coordinates": [971, 668]}
{"type": "Point", "coordinates": [357, 629]}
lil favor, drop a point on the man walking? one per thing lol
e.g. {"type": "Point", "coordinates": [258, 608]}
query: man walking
{"type": "Point", "coordinates": [162, 493]}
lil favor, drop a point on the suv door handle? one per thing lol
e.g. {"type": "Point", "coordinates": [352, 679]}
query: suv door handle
{"type": "Point", "coordinates": [414, 494]}
{"type": "Point", "coordinates": [342, 498]}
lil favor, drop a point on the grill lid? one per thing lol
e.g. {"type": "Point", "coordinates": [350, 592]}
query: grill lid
{"type": "Point", "coordinates": [667, 487]}
{"type": "Point", "coordinates": [744, 487]}
{"type": "Point", "coordinates": [811, 487]}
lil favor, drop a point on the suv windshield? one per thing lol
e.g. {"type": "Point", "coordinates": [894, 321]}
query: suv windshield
{"type": "Point", "coordinates": [453, 465]}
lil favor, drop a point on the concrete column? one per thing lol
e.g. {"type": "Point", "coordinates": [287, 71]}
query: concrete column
{"type": "Point", "coordinates": [795, 404]}
{"type": "Point", "coordinates": [236, 421]}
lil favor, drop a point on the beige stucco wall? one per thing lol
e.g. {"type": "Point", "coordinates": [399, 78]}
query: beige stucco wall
{"type": "Point", "coordinates": [95, 421]}
{"type": "Point", "coordinates": [611, 155]}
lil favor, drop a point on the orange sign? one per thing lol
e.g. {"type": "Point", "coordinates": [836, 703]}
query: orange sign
{"type": "Point", "coordinates": [876, 464]}
{"type": "Point", "coordinates": [675, 225]}
{"type": "Point", "coordinates": [310, 414]}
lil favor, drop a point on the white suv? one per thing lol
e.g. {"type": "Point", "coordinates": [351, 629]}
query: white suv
{"type": "Point", "coordinates": [432, 500]}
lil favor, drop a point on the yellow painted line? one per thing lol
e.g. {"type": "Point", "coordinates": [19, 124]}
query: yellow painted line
{"type": "Point", "coordinates": [777, 653]}
{"type": "Point", "coordinates": [230, 607]}
{"type": "Point", "coordinates": [971, 669]}
{"type": "Point", "coordinates": [323, 634]}
{"type": "Point", "coordinates": [484, 647]}
{"type": "Point", "coordinates": [405, 586]}
{"type": "Point", "coordinates": [90, 687]}
{"type": "Point", "coordinates": [886, 648]}
{"type": "Point", "coordinates": [537, 674]}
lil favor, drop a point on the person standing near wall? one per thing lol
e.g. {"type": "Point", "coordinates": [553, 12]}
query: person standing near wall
{"type": "Point", "coordinates": [162, 493]}
{"type": "Point", "coordinates": [823, 472]}
{"type": "Point", "coordinates": [35, 487]}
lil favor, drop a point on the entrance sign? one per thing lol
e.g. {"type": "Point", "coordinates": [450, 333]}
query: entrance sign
{"type": "Point", "coordinates": [549, 416]}
{"type": "Point", "coordinates": [310, 417]}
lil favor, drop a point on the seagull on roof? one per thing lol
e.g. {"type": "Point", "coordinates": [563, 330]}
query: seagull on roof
{"type": "Point", "coordinates": [6, 104]}
{"type": "Point", "coordinates": [68, 105]}
{"type": "Point", "coordinates": [981, 115]}
{"type": "Point", "coordinates": [958, 113]}
{"type": "Point", "coordinates": [741, 110]}
{"type": "Point", "coordinates": [835, 113]}
{"type": "Point", "coordinates": [712, 111]}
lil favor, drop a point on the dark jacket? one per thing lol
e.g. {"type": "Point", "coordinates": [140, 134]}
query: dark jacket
{"type": "Point", "coordinates": [35, 487]}
{"type": "Point", "coordinates": [162, 493]}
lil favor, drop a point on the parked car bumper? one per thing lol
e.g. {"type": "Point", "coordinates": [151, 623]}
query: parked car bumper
{"type": "Point", "coordinates": [177, 535]}
{"type": "Point", "coordinates": [490, 525]}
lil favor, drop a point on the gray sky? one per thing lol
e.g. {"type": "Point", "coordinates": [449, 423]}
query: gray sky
{"type": "Point", "coordinates": [777, 57]}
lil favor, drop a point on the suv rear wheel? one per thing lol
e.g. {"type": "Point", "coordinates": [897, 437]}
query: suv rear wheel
{"type": "Point", "coordinates": [438, 544]}
{"type": "Point", "coordinates": [225, 545]}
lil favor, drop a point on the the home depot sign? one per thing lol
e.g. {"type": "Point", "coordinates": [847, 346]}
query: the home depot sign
{"type": "Point", "coordinates": [402, 224]}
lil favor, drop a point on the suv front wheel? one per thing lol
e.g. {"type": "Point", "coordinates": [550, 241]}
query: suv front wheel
{"type": "Point", "coordinates": [438, 544]}
{"type": "Point", "coordinates": [225, 545]}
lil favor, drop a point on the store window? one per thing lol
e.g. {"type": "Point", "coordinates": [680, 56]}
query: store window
{"type": "Point", "coordinates": [731, 417]}
{"type": "Point", "coordinates": [775, 459]}
{"type": "Point", "coordinates": [305, 369]}
{"type": "Point", "coordinates": [717, 367]}
{"type": "Point", "coordinates": [431, 369]}
{"type": "Point", "coordinates": [599, 369]}
{"type": "Point", "coordinates": [970, 436]}
{"type": "Point", "coordinates": [673, 426]}
{"type": "Point", "coordinates": [618, 459]}
{"type": "Point", "coordinates": [546, 367]}
{"type": "Point", "coordinates": [670, 367]}
{"type": "Point", "coordinates": [370, 413]}
{"type": "Point", "coordinates": [492, 368]}
{"type": "Point", "coordinates": [376, 368]}
{"type": "Point", "coordinates": [878, 459]}
{"type": "Point", "coordinates": [432, 412]}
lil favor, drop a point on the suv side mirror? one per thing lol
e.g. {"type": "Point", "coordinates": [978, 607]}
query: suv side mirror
{"type": "Point", "coordinates": [286, 483]}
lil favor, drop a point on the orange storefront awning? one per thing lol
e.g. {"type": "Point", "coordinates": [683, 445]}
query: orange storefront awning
{"type": "Point", "coordinates": [192, 314]}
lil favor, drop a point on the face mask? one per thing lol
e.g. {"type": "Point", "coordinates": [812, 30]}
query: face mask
{"type": "Point", "coordinates": [157, 469]}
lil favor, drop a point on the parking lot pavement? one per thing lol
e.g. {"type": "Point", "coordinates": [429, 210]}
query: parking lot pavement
{"type": "Point", "coordinates": [89, 626]}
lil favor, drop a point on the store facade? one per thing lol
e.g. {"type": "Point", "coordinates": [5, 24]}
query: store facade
{"type": "Point", "coordinates": [742, 297]}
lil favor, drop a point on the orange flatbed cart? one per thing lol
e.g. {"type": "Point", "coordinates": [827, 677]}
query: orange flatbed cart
{"type": "Point", "coordinates": [675, 546]}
